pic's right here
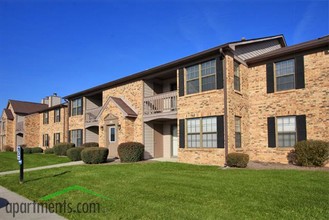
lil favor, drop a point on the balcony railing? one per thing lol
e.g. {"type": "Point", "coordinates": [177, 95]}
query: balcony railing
{"type": "Point", "coordinates": [91, 114]}
{"type": "Point", "coordinates": [162, 103]}
{"type": "Point", "coordinates": [20, 126]}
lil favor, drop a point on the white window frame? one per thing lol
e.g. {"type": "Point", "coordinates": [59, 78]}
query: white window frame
{"type": "Point", "coordinates": [110, 134]}
{"type": "Point", "coordinates": [293, 73]}
{"type": "Point", "coordinates": [201, 130]}
{"type": "Point", "coordinates": [286, 131]}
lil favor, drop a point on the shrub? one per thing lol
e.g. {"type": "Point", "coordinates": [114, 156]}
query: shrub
{"type": "Point", "coordinates": [36, 150]}
{"type": "Point", "coordinates": [61, 148]}
{"type": "Point", "coordinates": [90, 144]}
{"type": "Point", "coordinates": [94, 155]}
{"type": "Point", "coordinates": [131, 151]}
{"type": "Point", "coordinates": [49, 151]}
{"type": "Point", "coordinates": [8, 148]}
{"type": "Point", "coordinates": [237, 160]}
{"type": "Point", "coordinates": [311, 153]}
{"type": "Point", "coordinates": [74, 153]}
{"type": "Point", "coordinates": [27, 150]}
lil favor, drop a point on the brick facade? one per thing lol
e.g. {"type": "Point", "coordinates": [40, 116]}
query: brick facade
{"type": "Point", "coordinates": [32, 130]}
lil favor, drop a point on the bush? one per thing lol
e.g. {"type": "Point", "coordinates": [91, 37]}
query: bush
{"type": "Point", "coordinates": [90, 144]}
{"type": "Point", "coordinates": [27, 150]}
{"type": "Point", "coordinates": [311, 153]}
{"type": "Point", "coordinates": [237, 160]}
{"type": "Point", "coordinates": [94, 155]}
{"type": "Point", "coordinates": [74, 153]}
{"type": "Point", "coordinates": [8, 148]}
{"type": "Point", "coordinates": [36, 150]}
{"type": "Point", "coordinates": [61, 148]}
{"type": "Point", "coordinates": [49, 151]}
{"type": "Point", "coordinates": [131, 151]}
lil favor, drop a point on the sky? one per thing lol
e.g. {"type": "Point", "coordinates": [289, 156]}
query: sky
{"type": "Point", "coordinates": [66, 46]}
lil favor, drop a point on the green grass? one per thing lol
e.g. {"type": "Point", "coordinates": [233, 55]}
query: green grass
{"type": "Point", "coordinates": [8, 160]}
{"type": "Point", "coordinates": [182, 191]}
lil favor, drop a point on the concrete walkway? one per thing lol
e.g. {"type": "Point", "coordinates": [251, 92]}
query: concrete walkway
{"type": "Point", "coordinates": [45, 167]}
{"type": "Point", "coordinates": [14, 206]}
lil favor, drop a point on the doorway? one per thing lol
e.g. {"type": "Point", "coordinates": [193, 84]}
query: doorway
{"type": "Point", "coordinates": [111, 139]}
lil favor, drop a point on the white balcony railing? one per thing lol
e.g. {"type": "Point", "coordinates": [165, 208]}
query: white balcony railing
{"type": "Point", "coordinates": [91, 114]}
{"type": "Point", "coordinates": [165, 102]}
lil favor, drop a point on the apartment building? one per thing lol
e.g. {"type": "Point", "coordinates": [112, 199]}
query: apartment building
{"type": "Point", "coordinates": [256, 96]}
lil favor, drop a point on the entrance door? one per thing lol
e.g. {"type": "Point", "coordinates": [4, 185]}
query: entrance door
{"type": "Point", "coordinates": [174, 141]}
{"type": "Point", "coordinates": [112, 140]}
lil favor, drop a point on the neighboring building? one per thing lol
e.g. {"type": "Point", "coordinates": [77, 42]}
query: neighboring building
{"type": "Point", "coordinates": [13, 121]}
{"type": "Point", "coordinates": [254, 96]}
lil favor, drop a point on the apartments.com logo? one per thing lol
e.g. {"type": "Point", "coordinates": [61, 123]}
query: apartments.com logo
{"type": "Point", "coordinates": [57, 207]}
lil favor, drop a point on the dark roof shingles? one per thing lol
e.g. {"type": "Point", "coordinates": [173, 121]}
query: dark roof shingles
{"type": "Point", "coordinates": [23, 107]}
{"type": "Point", "coordinates": [124, 106]}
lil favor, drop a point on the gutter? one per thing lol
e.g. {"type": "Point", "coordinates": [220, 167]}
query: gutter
{"type": "Point", "coordinates": [225, 106]}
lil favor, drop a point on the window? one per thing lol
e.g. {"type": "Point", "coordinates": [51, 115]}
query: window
{"type": "Point", "coordinates": [57, 138]}
{"type": "Point", "coordinates": [112, 134]}
{"type": "Point", "coordinates": [76, 137]}
{"type": "Point", "coordinates": [236, 76]}
{"type": "Point", "coordinates": [201, 76]}
{"type": "Point", "coordinates": [237, 132]}
{"type": "Point", "coordinates": [286, 131]}
{"type": "Point", "coordinates": [45, 117]}
{"type": "Point", "coordinates": [57, 115]}
{"type": "Point", "coordinates": [202, 132]}
{"type": "Point", "coordinates": [285, 75]}
{"type": "Point", "coordinates": [45, 140]}
{"type": "Point", "coordinates": [77, 107]}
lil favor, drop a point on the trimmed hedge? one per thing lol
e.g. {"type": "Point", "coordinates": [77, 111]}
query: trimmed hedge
{"type": "Point", "coordinates": [310, 153]}
{"type": "Point", "coordinates": [94, 155]}
{"type": "Point", "coordinates": [61, 148]}
{"type": "Point", "coordinates": [237, 160]}
{"type": "Point", "coordinates": [27, 150]}
{"type": "Point", "coordinates": [8, 148]}
{"type": "Point", "coordinates": [90, 144]}
{"type": "Point", "coordinates": [49, 151]}
{"type": "Point", "coordinates": [74, 153]}
{"type": "Point", "coordinates": [131, 151]}
{"type": "Point", "coordinates": [36, 150]}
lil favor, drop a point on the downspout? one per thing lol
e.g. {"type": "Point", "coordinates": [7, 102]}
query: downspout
{"type": "Point", "coordinates": [225, 106]}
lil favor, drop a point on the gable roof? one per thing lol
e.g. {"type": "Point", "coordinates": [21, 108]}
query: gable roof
{"type": "Point", "coordinates": [175, 64]}
{"type": "Point", "coordinates": [322, 42]}
{"type": "Point", "coordinates": [124, 107]}
{"type": "Point", "coordinates": [22, 107]}
{"type": "Point", "coordinates": [9, 114]}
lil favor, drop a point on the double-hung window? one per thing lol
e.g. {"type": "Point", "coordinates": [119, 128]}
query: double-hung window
{"type": "Point", "coordinates": [237, 132]}
{"type": "Point", "coordinates": [46, 118]}
{"type": "Point", "coordinates": [57, 138]}
{"type": "Point", "coordinates": [76, 137]}
{"type": "Point", "coordinates": [285, 75]}
{"type": "Point", "coordinates": [45, 140]}
{"type": "Point", "coordinates": [57, 115]}
{"type": "Point", "coordinates": [286, 131]}
{"type": "Point", "coordinates": [76, 107]}
{"type": "Point", "coordinates": [237, 76]}
{"type": "Point", "coordinates": [201, 77]}
{"type": "Point", "coordinates": [202, 132]}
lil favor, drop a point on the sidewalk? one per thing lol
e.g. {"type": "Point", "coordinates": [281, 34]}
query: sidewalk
{"type": "Point", "coordinates": [9, 208]}
{"type": "Point", "coordinates": [44, 167]}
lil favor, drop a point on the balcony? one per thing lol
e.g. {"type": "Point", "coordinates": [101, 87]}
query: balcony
{"type": "Point", "coordinates": [20, 127]}
{"type": "Point", "coordinates": [161, 106]}
{"type": "Point", "coordinates": [91, 116]}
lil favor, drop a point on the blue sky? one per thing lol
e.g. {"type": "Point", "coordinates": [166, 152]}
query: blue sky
{"type": "Point", "coordinates": [66, 46]}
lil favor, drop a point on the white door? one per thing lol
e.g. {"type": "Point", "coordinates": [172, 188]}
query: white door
{"type": "Point", "coordinates": [174, 140]}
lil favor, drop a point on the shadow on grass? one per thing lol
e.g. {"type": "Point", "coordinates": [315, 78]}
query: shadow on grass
{"type": "Point", "coordinates": [48, 176]}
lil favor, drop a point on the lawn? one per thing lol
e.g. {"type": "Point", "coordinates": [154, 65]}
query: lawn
{"type": "Point", "coordinates": [182, 191]}
{"type": "Point", "coordinates": [8, 160]}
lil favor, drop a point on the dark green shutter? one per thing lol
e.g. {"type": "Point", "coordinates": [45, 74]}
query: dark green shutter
{"type": "Point", "coordinates": [270, 77]}
{"type": "Point", "coordinates": [300, 77]}
{"type": "Point", "coordinates": [271, 132]}
{"type": "Point", "coordinates": [81, 106]}
{"type": "Point", "coordinates": [69, 108]}
{"type": "Point", "coordinates": [181, 133]}
{"type": "Point", "coordinates": [220, 131]}
{"type": "Point", "coordinates": [301, 127]}
{"type": "Point", "coordinates": [220, 72]}
{"type": "Point", "coordinates": [181, 82]}
{"type": "Point", "coordinates": [69, 137]}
